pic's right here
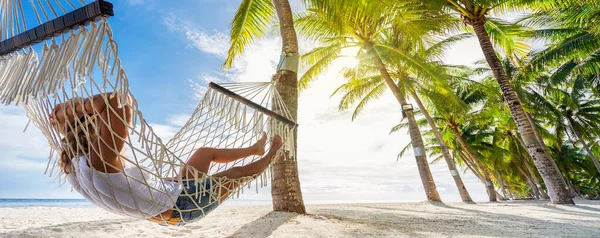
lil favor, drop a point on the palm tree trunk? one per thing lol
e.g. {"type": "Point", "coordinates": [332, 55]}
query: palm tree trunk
{"type": "Point", "coordinates": [462, 190]}
{"type": "Point", "coordinates": [583, 143]}
{"type": "Point", "coordinates": [511, 191]}
{"type": "Point", "coordinates": [285, 190]}
{"type": "Point", "coordinates": [532, 185]}
{"type": "Point", "coordinates": [536, 132]}
{"type": "Point", "coordinates": [567, 178]}
{"type": "Point", "coordinates": [502, 184]}
{"type": "Point", "coordinates": [472, 167]}
{"type": "Point", "coordinates": [488, 182]}
{"type": "Point", "coordinates": [499, 197]}
{"type": "Point", "coordinates": [532, 173]}
{"type": "Point", "coordinates": [413, 128]}
{"type": "Point", "coordinates": [557, 187]}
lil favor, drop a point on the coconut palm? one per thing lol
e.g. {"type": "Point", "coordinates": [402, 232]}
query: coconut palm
{"type": "Point", "coordinates": [576, 111]}
{"type": "Point", "coordinates": [455, 118]}
{"type": "Point", "coordinates": [371, 27]}
{"type": "Point", "coordinates": [583, 178]}
{"type": "Point", "coordinates": [475, 13]}
{"type": "Point", "coordinates": [360, 90]}
{"type": "Point", "coordinates": [252, 20]}
{"type": "Point", "coordinates": [521, 82]}
{"type": "Point", "coordinates": [519, 158]}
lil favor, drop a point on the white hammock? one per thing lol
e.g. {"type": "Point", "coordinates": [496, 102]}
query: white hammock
{"type": "Point", "coordinates": [83, 62]}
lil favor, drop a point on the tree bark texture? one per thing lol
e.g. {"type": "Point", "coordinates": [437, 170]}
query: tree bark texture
{"type": "Point", "coordinates": [488, 182]}
{"type": "Point", "coordinates": [285, 190]}
{"type": "Point", "coordinates": [462, 190]}
{"type": "Point", "coordinates": [414, 132]}
{"type": "Point", "coordinates": [556, 185]}
{"type": "Point", "coordinates": [532, 173]}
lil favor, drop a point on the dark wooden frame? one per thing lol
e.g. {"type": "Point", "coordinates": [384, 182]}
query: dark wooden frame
{"type": "Point", "coordinates": [81, 16]}
{"type": "Point", "coordinates": [252, 104]}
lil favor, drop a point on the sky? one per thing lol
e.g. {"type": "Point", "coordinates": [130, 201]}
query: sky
{"type": "Point", "coordinates": [172, 49]}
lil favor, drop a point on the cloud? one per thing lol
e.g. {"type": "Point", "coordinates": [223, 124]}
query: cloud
{"type": "Point", "coordinates": [215, 43]}
{"type": "Point", "coordinates": [178, 120]}
{"type": "Point", "coordinates": [165, 132]}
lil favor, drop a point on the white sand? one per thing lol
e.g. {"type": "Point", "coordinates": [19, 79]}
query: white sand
{"type": "Point", "coordinates": [505, 219]}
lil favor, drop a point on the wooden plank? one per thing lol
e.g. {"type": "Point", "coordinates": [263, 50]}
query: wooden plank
{"type": "Point", "coordinates": [252, 104]}
{"type": "Point", "coordinates": [81, 16]}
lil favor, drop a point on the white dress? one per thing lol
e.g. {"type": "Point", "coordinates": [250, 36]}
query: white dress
{"type": "Point", "coordinates": [122, 194]}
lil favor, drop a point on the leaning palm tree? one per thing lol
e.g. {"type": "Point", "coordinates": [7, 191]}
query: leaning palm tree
{"type": "Point", "coordinates": [359, 90]}
{"type": "Point", "coordinates": [474, 13]}
{"type": "Point", "coordinates": [455, 118]}
{"type": "Point", "coordinates": [367, 26]}
{"type": "Point", "coordinates": [252, 20]}
{"type": "Point", "coordinates": [583, 179]}
{"type": "Point", "coordinates": [575, 110]}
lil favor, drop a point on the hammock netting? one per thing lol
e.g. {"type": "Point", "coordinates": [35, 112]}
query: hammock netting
{"type": "Point", "coordinates": [82, 61]}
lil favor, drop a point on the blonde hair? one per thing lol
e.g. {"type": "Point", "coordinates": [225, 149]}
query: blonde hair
{"type": "Point", "coordinates": [73, 145]}
{"type": "Point", "coordinates": [76, 138]}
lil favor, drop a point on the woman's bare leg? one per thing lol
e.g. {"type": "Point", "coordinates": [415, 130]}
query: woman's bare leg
{"type": "Point", "coordinates": [202, 158]}
{"type": "Point", "coordinates": [248, 170]}
{"type": "Point", "coordinates": [236, 172]}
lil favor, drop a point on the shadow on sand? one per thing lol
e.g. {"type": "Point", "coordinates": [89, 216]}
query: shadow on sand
{"type": "Point", "coordinates": [265, 225]}
{"type": "Point", "coordinates": [459, 220]}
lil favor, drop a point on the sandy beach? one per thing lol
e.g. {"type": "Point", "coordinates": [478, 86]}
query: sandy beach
{"type": "Point", "coordinates": [502, 219]}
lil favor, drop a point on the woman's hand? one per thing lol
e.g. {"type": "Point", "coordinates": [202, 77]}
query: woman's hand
{"type": "Point", "coordinates": [65, 113]}
{"type": "Point", "coordinates": [57, 118]}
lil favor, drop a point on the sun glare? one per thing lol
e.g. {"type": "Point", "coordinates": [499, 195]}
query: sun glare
{"type": "Point", "coordinates": [348, 59]}
{"type": "Point", "coordinates": [348, 62]}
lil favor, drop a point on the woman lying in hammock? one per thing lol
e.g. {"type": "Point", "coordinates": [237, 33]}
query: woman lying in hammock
{"type": "Point", "coordinates": [91, 158]}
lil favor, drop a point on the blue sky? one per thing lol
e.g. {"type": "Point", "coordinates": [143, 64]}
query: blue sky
{"type": "Point", "coordinates": [171, 49]}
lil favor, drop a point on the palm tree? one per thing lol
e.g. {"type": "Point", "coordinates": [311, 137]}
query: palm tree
{"type": "Point", "coordinates": [368, 26]}
{"type": "Point", "coordinates": [462, 190]}
{"type": "Point", "coordinates": [454, 118]}
{"type": "Point", "coordinates": [252, 20]}
{"type": "Point", "coordinates": [514, 69]}
{"type": "Point", "coordinates": [576, 111]}
{"type": "Point", "coordinates": [474, 13]}
{"type": "Point", "coordinates": [583, 179]}
{"type": "Point", "coordinates": [365, 89]}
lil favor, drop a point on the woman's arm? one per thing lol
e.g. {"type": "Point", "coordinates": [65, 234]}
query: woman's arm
{"type": "Point", "coordinates": [112, 127]}
{"type": "Point", "coordinates": [113, 131]}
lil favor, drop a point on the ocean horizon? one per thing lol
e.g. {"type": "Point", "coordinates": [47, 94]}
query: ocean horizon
{"type": "Point", "coordinates": [43, 202]}
{"type": "Point", "coordinates": [82, 203]}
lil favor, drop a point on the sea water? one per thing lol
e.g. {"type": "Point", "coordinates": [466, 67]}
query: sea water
{"type": "Point", "coordinates": [32, 202]}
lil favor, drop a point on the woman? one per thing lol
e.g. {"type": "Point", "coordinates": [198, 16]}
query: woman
{"type": "Point", "coordinates": [95, 130]}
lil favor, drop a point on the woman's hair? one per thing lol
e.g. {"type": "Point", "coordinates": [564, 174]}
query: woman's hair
{"type": "Point", "coordinates": [76, 143]}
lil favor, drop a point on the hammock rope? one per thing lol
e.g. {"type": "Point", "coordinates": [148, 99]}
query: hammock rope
{"type": "Point", "coordinates": [83, 62]}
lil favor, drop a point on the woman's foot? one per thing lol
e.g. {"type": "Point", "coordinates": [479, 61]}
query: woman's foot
{"type": "Point", "coordinates": [276, 143]}
{"type": "Point", "coordinates": [259, 146]}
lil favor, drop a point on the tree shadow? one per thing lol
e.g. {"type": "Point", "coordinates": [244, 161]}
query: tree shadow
{"type": "Point", "coordinates": [407, 221]}
{"type": "Point", "coordinates": [588, 208]}
{"type": "Point", "coordinates": [578, 210]}
{"type": "Point", "coordinates": [264, 226]}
